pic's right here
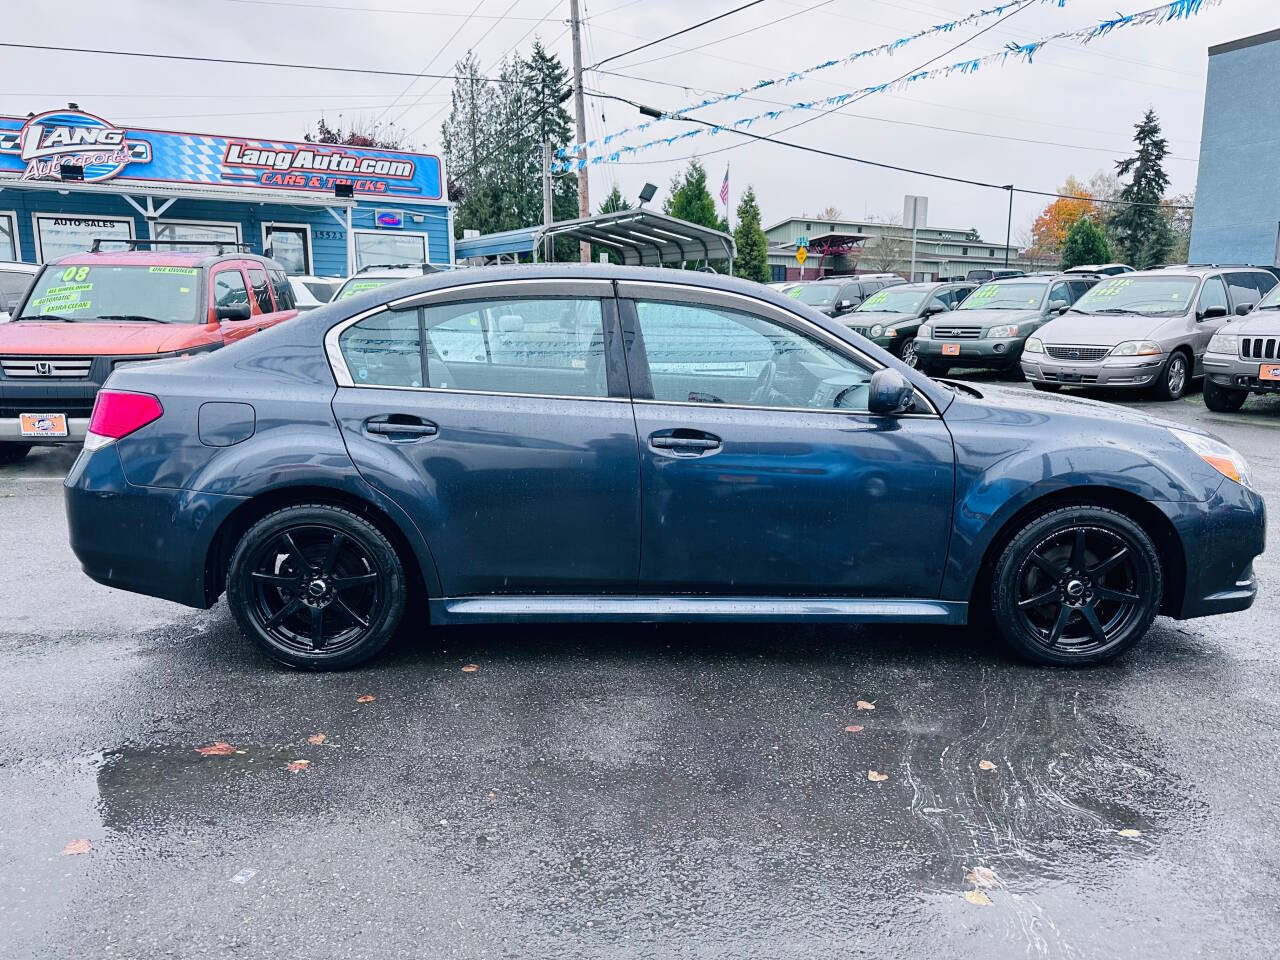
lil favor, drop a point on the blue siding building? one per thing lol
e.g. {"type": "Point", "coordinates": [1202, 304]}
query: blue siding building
{"type": "Point", "coordinates": [1237, 215]}
{"type": "Point", "coordinates": [67, 177]}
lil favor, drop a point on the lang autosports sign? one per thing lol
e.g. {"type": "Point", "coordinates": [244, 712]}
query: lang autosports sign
{"type": "Point", "coordinates": [38, 147]}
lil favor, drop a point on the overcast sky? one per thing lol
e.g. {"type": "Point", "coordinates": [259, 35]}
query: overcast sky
{"type": "Point", "coordinates": [1081, 101]}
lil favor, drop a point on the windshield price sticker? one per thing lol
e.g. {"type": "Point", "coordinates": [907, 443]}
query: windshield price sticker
{"type": "Point", "coordinates": [62, 306]}
{"type": "Point", "coordinates": [880, 297]}
{"type": "Point", "coordinates": [181, 271]}
{"type": "Point", "coordinates": [985, 293]}
{"type": "Point", "coordinates": [75, 274]}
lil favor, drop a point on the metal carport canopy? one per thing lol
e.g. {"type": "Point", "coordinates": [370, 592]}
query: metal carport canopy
{"type": "Point", "coordinates": [647, 238]}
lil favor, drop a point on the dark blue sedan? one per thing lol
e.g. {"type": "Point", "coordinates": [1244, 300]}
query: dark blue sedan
{"type": "Point", "coordinates": [614, 444]}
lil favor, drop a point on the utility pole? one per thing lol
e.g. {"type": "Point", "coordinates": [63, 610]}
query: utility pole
{"type": "Point", "coordinates": [1008, 230]}
{"type": "Point", "coordinates": [584, 201]}
{"type": "Point", "coordinates": [548, 244]}
{"type": "Point", "coordinates": [915, 216]}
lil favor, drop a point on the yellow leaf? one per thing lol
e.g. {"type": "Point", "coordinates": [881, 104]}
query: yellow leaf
{"type": "Point", "coordinates": [977, 898]}
{"type": "Point", "coordinates": [365, 698]}
{"type": "Point", "coordinates": [296, 766]}
{"type": "Point", "coordinates": [77, 846]}
{"type": "Point", "coordinates": [316, 739]}
{"type": "Point", "coordinates": [986, 765]}
{"type": "Point", "coordinates": [1130, 832]}
{"type": "Point", "coordinates": [470, 668]}
{"type": "Point", "coordinates": [863, 705]}
{"type": "Point", "coordinates": [875, 777]}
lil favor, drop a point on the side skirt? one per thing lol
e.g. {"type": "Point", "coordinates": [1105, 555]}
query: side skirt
{"type": "Point", "coordinates": [629, 609]}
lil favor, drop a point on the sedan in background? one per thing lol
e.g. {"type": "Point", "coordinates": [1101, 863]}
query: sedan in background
{"type": "Point", "coordinates": [1146, 330]}
{"type": "Point", "coordinates": [891, 317]}
{"type": "Point", "coordinates": [656, 445]}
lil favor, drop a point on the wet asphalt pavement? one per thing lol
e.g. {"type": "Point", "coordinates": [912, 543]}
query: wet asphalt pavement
{"type": "Point", "coordinates": [616, 791]}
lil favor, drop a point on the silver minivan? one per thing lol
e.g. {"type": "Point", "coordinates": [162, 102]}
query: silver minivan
{"type": "Point", "coordinates": [1148, 329]}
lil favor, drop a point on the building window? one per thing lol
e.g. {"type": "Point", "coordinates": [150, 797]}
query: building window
{"type": "Point", "coordinates": [198, 231]}
{"type": "Point", "coordinates": [289, 244]}
{"type": "Point", "coordinates": [9, 237]}
{"type": "Point", "coordinates": [964, 251]}
{"type": "Point", "coordinates": [383, 247]}
{"type": "Point", "coordinates": [59, 236]}
{"type": "Point", "coordinates": [991, 253]}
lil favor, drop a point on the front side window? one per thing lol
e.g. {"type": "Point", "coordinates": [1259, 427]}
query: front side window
{"type": "Point", "coordinates": [164, 294]}
{"type": "Point", "coordinates": [1005, 296]}
{"type": "Point", "coordinates": [1059, 291]}
{"type": "Point", "coordinates": [229, 289]}
{"type": "Point", "coordinates": [1147, 295]}
{"type": "Point", "coordinates": [1212, 294]}
{"type": "Point", "coordinates": [261, 290]}
{"type": "Point", "coordinates": [703, 354]}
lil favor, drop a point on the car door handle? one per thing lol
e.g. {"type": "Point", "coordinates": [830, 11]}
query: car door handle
{"type": "Point", "coordinates": [403, 430]}
{"type": "Point", "coordinates": [685, 445]}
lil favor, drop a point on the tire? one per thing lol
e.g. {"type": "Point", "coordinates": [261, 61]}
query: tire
{"type": "Point", "coordinates": [1174, 378]}
{"type": "Point", "coordinates": [930, 369]}
{"type": "Point", "coordinates": [1097, 577]}
{"type": "Point", "coordinates": [282, 587]}
{"type": "Point", "coordinates": [907, 353]}
{"type": "Point", "coordinates": [13, 452]}
{"type": "Point", "coordinates": [1223, 399]}
{"type": "Point", "coordinates": [1046, 387]}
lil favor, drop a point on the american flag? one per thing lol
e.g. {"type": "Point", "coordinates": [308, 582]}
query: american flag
{"type": "Point", "coordinates": [724, 187]}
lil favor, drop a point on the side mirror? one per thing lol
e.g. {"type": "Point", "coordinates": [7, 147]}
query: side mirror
{"type": "Point", "coordinates": [890, 392]}
{"type": "Point", "coordinates": [1212, 313]}
{"type": "Point", "coordinates": [1058, 306]}
{"type": "Point", "coordinates": [238, 311]}
{"type": "Point", "coordinates": [1241, 309]}
{"type": "Point", "coordinates": [933, 308]}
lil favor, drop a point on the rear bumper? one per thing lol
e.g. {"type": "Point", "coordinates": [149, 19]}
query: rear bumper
{"type": "Point", "coordinates": [973, 353]}
{"type": "Point", "coordinates": [1221, 538]}
{"type": "Point", "coordinates": [150, 540]}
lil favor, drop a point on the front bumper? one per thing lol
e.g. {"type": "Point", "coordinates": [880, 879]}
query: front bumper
{"type": "Point", "coordinates": [1221, 538]}
{"type": "Point", "coordinates": [972, 353]}
{"type": "Point", "coordinates": [1228, 370]}
{"type": "Point", "coordinates": [1108, 372]}
{"type": "Point", "coordinates": [11, 430]}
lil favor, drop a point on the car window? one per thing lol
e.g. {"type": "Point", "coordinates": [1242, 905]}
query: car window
{"type": "Point", "coordinates": [285, 300]}
{"type": "Point", "coordinates": [12, 284]}
{"type": "Point", "coordinates": [1060, 291]}
{"type": "Point", "coordinates": [1150, 295]}
{"type": "Point", "coordinates": [384, 350]}
{"type": "Point", "coordinates": [1243, 288]}
{"type": "Point", "coordinates": [538, 346]}
{"type": "Point", "coordinates": [1078, 289]}
{"type": "Point", "coordinates": [229, 289]}
{"type": "Point", "coordinates": [703, 354]}
{"type": "Point", "coordinates": [852, 292]}
{"type": "Point", "coordinates": [1212, 294]}
{"type": "Point", "coordinates": [1264, 281]}
{"type": "Point", "coordinates": [1005, 296]}
{"type": "Point", "coordinates": [940, 300]}
{"type": "Point", "coordinates": [814, 294]}
{"type": "Point", "coordinates": [261, 290]}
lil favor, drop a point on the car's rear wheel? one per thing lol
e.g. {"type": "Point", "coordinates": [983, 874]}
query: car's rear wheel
{"type": "Point", "coordinates": [1046, 387]}
{"type": "Point", "coordinates": [316, 586]}
{"type": "Point", "coordinates": [907, 354]}
{"type": "Point", "coordinates": [13, 452]}
{"type": "Point", "coordinates": [1223, 399]}
{"type": "Point", "coordinates": [1173, 379]}
{"type": "Point", "coordinates": [1076, 586]}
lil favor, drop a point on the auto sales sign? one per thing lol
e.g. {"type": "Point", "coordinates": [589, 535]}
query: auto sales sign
{"type": "Point", "coordinates": [38, 147]}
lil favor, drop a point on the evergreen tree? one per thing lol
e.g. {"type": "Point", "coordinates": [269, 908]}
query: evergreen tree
{"type": "Point", "coordinates": [614, 201]}
{"type": "Point", "coordinates": [1085, 243]}
{"type": "Point", "coordinates": [1140, 229]}
{"type": "Point", "coordinates": [752, 261]}
{"type": "Point", "coordinates": [690, 200]}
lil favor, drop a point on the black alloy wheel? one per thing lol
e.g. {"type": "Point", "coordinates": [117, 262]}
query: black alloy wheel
{"type": "Point", "coordinates": [1174, 378]}
{"type": "Point", "coordinates": [1077, 586]}
{"type": "Point", "coordinates": [907, 354]}
{"type": "Point", "coordinates": [1223, 399]}
{"type": "Point", "coordinates": [316, 586]}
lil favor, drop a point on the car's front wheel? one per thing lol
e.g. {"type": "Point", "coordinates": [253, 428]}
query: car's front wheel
{"type": "Point", "coordinates": [1173, 380]}
{"type": "Point", "coordinates": [907, 354]}
{"type": "Point", "coordinates": [1076, 586]}
{"type": "Point", "coordinates": [1223, 399]}
{"type": "Point", "coordinates": [13, 452]}
{"type": "Point", "coordinates": [316, 586]}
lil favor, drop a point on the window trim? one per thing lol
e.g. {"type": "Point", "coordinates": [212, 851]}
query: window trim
{"type": "Point", "coordinates": [308, 253]}
{"type": "Point", "coordinates": [153, 229]}
{"type": "Point", "coordinates": [355, 242]}
{"type": "Point", "coordinates": [12, 217]}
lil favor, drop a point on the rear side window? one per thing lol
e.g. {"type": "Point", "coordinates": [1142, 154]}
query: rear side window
{"type": "Point", "coordinates": [261, 290]}
{"type": "Point", "coordinates": [229, 289]}
{"type": "Point", "coordinates": [1079, 288]}
{"type": "Point", "coordinates": [284, 292]}
{"type": "Point", "coordinates": [384, 350]}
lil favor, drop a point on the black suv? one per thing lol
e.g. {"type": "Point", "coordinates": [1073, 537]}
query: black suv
{"type": "Point", "coordinates": [838, 295]}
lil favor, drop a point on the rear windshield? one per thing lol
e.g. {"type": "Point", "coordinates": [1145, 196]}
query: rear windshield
{"type": "Point", "coordinates": [1151, 296]}
{"type": "Point", "coordinates": [362, 285]}
{"type": "Point", "coordinates": [893, 300]}
{"type": "Point", "coordinates": [161, 294]}
{"type": "Point", "coordinates": [1005, 296]}
{"type": "Point", "coordinates": [815, 294]}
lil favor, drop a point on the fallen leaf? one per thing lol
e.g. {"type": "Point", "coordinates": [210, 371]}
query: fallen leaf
{"type": "Point", "coordinates": [492, 795]}
{"type": "Point", "coordinates": [853, 728]}
{"type": "Point", "coordinates": [977, 898]}
{"type": "Point", "coordinates": [77, 846]}
{"type": "Point", "coordinates": [296, 766]}
{"type": "Point", "coordinates": [316, 739]}
{"type": "Point", "coordinates": [983, 877]}
{"type": "Point", "coordinates": [875, 777]}
{"type": "Point", "coordinates": [365, 698]}
{"type": "Point", "coordinates": [986, 765]}
{"type": "Point", "coordinates": [863, 705]}
{"type": "Point", "coordinates": [1130, 832]}
{"type": "Point", "coordinates": [471, 668]}
{"type": "Point", "coordinates": [219, 748]}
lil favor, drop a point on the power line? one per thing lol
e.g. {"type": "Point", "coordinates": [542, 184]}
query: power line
{"type": "Point", "coordinates": [670, 36]}
{"type": "Point", "coordinates": [362, 9]}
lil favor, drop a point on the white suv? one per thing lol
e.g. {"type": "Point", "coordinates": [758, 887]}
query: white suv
{"type": "Point", "coordinates": [15, 277]}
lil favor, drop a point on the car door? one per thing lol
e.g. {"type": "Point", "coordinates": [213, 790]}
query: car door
{"type": "Point", "coordinates": [229, 290]}
{"type": "Point", "coordinates": [497, 416]}
{"type": "Point", "coordinates": [762, 473]}
{"type": "Point", "coordinates": [1213, 293]}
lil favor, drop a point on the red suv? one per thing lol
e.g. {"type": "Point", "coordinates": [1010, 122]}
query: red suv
{"type": "Point", "coordinates": [91, 311]}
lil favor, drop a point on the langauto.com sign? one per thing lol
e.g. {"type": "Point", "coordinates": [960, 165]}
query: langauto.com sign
{"type": "Point", "coordinates": [37, 147]}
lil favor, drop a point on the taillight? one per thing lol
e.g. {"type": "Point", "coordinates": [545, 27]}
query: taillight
{"type": "Point", "coordinates": [117, 414]}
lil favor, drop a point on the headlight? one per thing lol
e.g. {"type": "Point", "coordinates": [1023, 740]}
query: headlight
{"type": "Point", "coordinates": [1224, 343]}
{"type": "Point", "coordinates": [876, 330]}
{"type": "Point", "coordinates": [1218, 455]}
{"type": "Point", "coordinates": [1033, 345]}
{"type": "Point", "coordinates": [925, 332]}
{"type": "Point", "coordinates": [1137, 348]}
{"type": "Point", "coordinates": [1003, 332]}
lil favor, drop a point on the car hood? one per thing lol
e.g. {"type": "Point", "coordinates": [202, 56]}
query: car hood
{"type": "Point", "coordinates": [1103, 330]}
{"type": "Point", "coordinates": [983, 318]}
{"type": "Point", "coordinates": [99, 339]}
{"type": "Point", "coordinates": [1018, 400]}
{"type": "Point", "coordinates": [1259, 323]}
{"type": "Point", "coordinates": [872, 317]}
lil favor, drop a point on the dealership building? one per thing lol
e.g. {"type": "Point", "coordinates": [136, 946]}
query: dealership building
{"type": "Point", "coordinates": [68, 177]}
{"type": "Point", "coordinates": [1237, 215]}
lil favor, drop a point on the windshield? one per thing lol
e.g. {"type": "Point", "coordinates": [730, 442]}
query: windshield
{"type": "Point", "coordinates": [1149, 296]}
{"type": "Point", "coordinates": [893, 300]}
{"type": "Point", "coordinates": [815, 294]}
{"type": "Point", "coordinates": [362, 285]}
{"type": "Point", "coordinates": [1005, 296]}
{"type": "Point", "coordinates": [162, 294]}
{"type": "Point", "coordinates": [1271, 301]}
